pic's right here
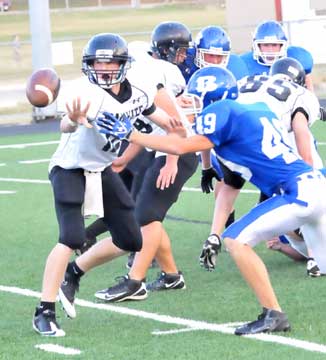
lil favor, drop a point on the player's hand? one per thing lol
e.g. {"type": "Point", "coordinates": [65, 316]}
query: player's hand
{"type": "Point", "coordinates": [211, 248]}
{"type": "Point", "coordinates": [206, 181]}
{"type": "Point", "coordinates": [112, 126]}
{"type": "Point", "coordinates": [167, 175]}
{"type": "Point", "coordinates": [176, 127]}
{"type": "Point", "coordinates": [118, 164]}
{"type": "Point", "coordinates": [274, 244]}
{"type": "Point", "coordinates": [78, 114]}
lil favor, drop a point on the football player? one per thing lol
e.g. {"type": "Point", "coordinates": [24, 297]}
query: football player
{"type": "Point", "coordinates": [80, 172]}
{"type": "Point", "coordinates": [161, 184]}
{"type": "Point", "coordinates": [297, 108]}
{"type": "Point", "coordinates": [261, 154]}
{"type": "Point", "coordinates": [269, 44]}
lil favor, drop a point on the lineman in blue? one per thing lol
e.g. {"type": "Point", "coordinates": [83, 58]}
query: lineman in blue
{"type": "Point", "coordinates": [212, 42]}
{"type": "Point", "coordinates": [250, 140]}
{"type": "Point", "coordinates": [269, 44]}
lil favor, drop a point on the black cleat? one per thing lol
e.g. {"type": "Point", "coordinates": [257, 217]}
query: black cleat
{"type": "Point", "coordinates": [45, 323]}
{"type": "Point", "coordinates": [268, 321]}
{"type": "Point", "coordinates": [126, 289]}
{"type": "Point", "coordinates": [67, 293]}
{"type": "Point", "coordinates": [167, 281]}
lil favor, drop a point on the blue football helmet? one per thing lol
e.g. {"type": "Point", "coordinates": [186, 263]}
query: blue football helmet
{"type": "Point", "coordinates": [269, 32]}
{"type": "Point", "coordinates": [106, 47]}
{"type": "Point", "coordinates": [212, 40]}
{"type": "Point", "coordinates": [207, 85]}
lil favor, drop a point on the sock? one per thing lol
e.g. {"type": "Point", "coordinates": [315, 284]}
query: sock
{"type": "Point", "coordinates": [46, 305]}
{"type": "Point", "coordinates": [230, 219]}
{"type": "Point", "coordinates": [74, 269]}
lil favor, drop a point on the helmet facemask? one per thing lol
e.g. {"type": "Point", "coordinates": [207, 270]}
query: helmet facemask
{"type": "Point", "coordinates": [200, 57]}
{"type": "Point", "coordinates": [265, 57]}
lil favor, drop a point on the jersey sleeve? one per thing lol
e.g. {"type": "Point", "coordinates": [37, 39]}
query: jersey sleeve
{"type": "Point", "coordinates": [309, 103]}
{"type": "Point", "coordinates": [237, 67]}
{"type": "Point", "coordinates": [303, 56]}
{"type": "Point", "coordinates": [214, 122]}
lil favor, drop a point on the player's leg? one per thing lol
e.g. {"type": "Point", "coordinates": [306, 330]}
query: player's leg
{"type": "Point", "coordinates": [121, 222]}
{"type": "Point", "coordinates": [68, 187]}
{"type": "Point", "coordinates": [271, 218]}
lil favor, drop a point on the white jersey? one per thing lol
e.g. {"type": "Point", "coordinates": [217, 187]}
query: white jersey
{"type": "Point", "coordinates": [84, 147]}
{"type": "Point", "coordinates": [163, 73]}
{"type": "Point", "coordinates": [284, 98]}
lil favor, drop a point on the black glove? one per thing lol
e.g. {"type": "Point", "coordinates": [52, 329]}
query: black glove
{"type": "Point", "coordinates": [211, 248]}
{"type": "Point", "coordinates": [322, 114]}
{"type": "Point", "coordinates": [206, 181]}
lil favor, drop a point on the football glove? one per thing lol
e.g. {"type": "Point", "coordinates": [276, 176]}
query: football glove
{"type": "Point", "coordinates": [211, 248]}
{"type": "Point", "coordinates": [110, 125]}
{"type": "Point", "coordinates": [206, 181]}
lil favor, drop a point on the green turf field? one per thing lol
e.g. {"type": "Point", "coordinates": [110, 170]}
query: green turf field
{"type": "Point", "coordinates": [190, 325]}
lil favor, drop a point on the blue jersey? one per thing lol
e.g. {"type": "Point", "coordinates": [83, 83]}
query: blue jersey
{"type": "Point", "coordinates": [295, 52]}
{"type": "Point", "coordinates": [248, 140]}
{"type": "Point", "coordinates": [235, 64]}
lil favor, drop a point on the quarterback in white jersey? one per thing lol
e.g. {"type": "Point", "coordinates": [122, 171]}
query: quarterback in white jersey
{"type": "Point", "coordinates": [81, 177]}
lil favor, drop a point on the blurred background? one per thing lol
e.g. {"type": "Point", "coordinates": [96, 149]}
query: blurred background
{"type": "Point", "coordinates": [73, 22]}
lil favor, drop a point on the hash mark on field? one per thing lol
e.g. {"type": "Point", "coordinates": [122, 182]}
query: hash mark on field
{"type": "Point", "coordinates": [188, 323]}
{"type": "Point", "coordinates": [23, 146]}
{"type": "Point", "coordinates": [58, 349]}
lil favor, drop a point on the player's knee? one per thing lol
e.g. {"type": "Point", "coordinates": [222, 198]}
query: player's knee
{"type": "Point", "coordinates": [148, 215]}
{"type": "Point", "coordinates": [73, 239]}
{"type": "Point", "coordinates": [127, 238]}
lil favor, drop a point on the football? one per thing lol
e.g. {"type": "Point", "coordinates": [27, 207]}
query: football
{"type": "Point", "coordinates": [42, 87]}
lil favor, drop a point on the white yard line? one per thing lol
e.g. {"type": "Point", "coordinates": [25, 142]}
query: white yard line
{"type": "Point", "coordinates": [53, 348]}
{"type": "Point", "coordinates": [34, 161]}
{"type": "Point", "coordinates": [31, 181]}
{"type": "Point", "coordinates": [7, 192]}
{"type": "Point", "coordinates": [186, 323]}
{"type": "Point", "coordinates": [23, 146]}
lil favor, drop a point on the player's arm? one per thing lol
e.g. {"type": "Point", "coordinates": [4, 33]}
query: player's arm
{"type": "Point", "coordinates": [309, 82]}
{"type": "Point", "coordinates": [302, 136]}
{"type": "Point", "coordinates": [122, 161]}
{"type": "Point", "coordinates": [172, 143]}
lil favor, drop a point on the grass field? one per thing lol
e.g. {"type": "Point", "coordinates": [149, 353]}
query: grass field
{"type": "Point", "coordinates": [193, 324]}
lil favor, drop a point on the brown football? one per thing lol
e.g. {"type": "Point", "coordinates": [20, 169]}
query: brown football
{"type": "Point", "coordinates": [42, 87]}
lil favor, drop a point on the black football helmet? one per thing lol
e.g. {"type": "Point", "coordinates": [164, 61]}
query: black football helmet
{"type": "Point", "coordinates": [291, 68]}
{"type": "Point", "coordinates": [106, 47]}
{"type": "Point", "coordinates": [168, 39]}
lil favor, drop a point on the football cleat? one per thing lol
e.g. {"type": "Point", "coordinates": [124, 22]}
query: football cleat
{"type": "Point", "coordinates": [268, 321]}
{"type": "Point", "coordinates": [126, 289]}
{"type": "Point", "coordinates": [312, 268]}
{"type": "Point", "coordinates": [67, 292]}
{"type": "Point", "coordinates": [45, 323]}
{"type": "Point", "coordinates": [167, 282]}
{"type": "Point", "coordinates": [210, 250]}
